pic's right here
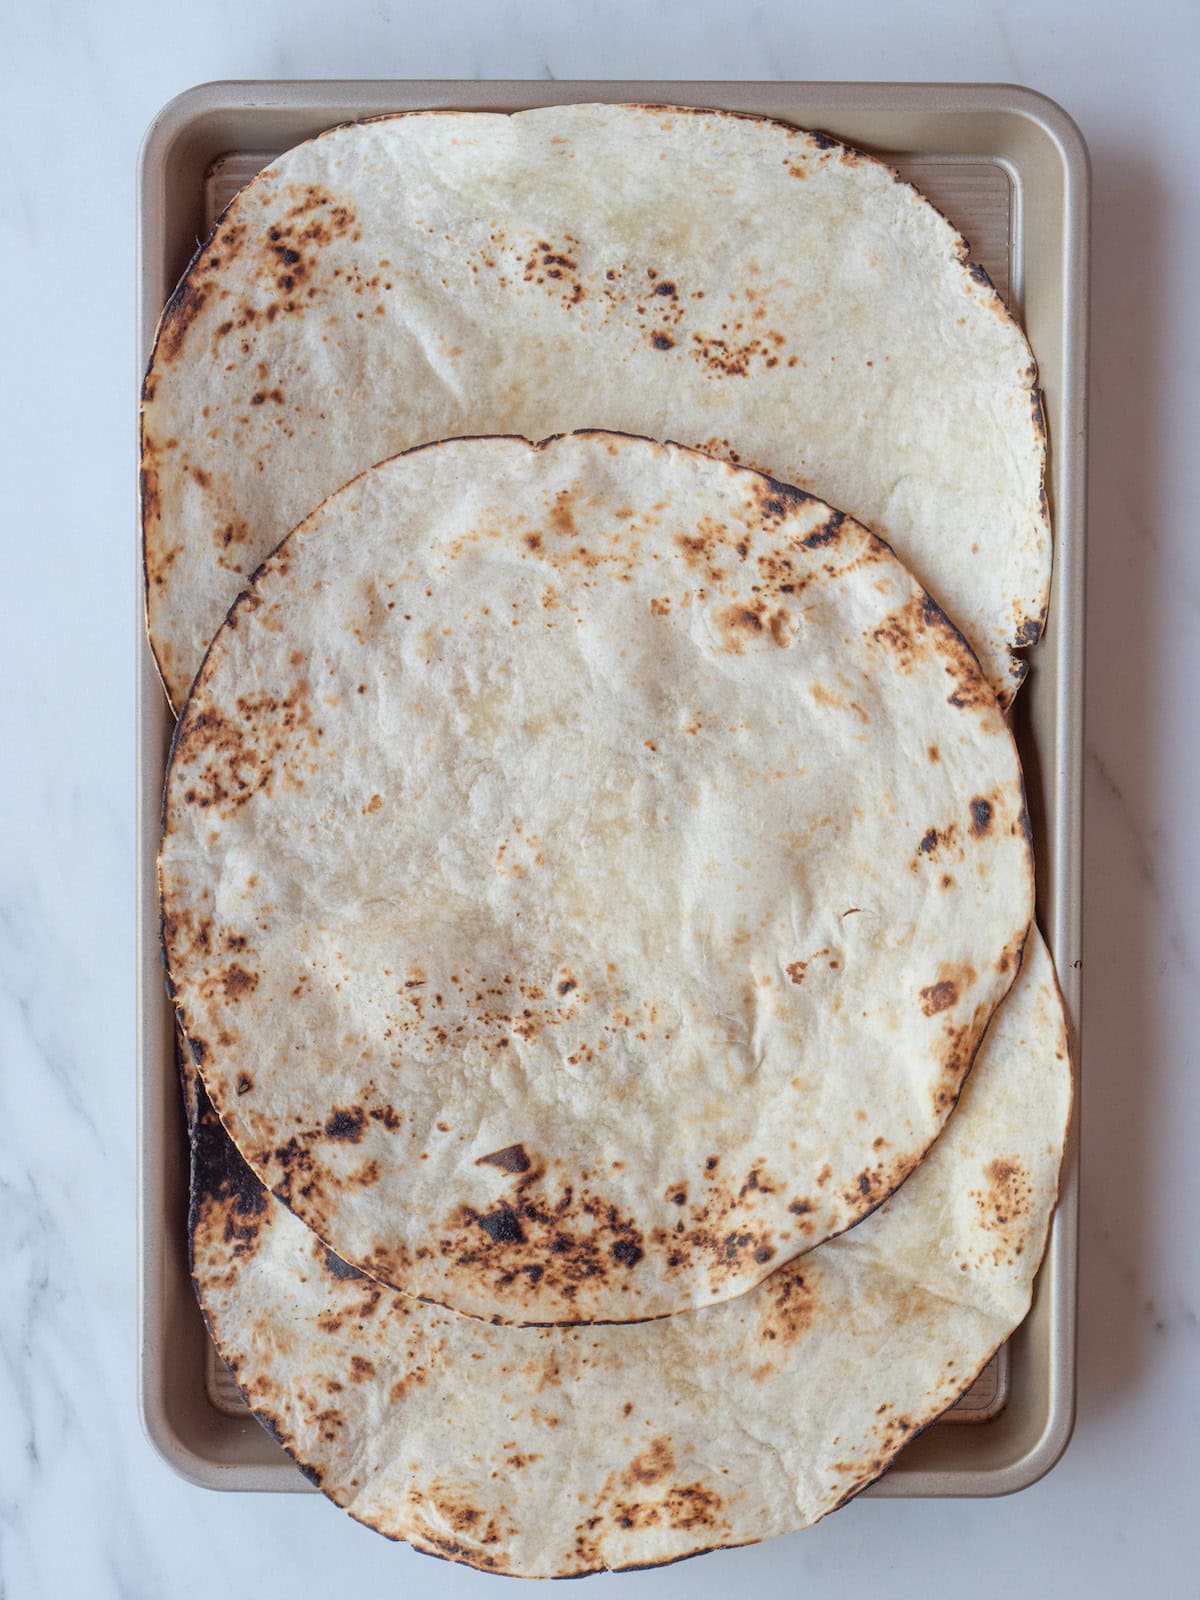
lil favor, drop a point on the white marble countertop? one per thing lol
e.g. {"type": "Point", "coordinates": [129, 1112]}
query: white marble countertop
{"type": "Point", "coordinates": [86, 1507]}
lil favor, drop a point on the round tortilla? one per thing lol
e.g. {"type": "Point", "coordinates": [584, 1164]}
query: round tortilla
{"type": "Point", "coordinates": [609, 860]}
{"type": "Point", "coordinates": [555, 1452]}
{"type": "Point", "coordinates": [763, 293]}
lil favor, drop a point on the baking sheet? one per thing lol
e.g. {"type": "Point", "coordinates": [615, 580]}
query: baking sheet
{"type": "Point", "coordinates": [1010, 171]}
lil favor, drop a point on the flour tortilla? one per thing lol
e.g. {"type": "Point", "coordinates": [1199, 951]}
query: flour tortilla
{"type": "Point", "coordinates": [609, 860]}
{"type": "Point", "coordinates": [545, 1452]}
{"type": "Point", "coordinates": [731, 282]}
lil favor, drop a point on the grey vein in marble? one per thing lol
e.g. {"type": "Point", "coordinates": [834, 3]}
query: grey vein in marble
{"type": "Point", "coordinates": [25, 966]}
{"type": "Point", "coordinates": [1175, 926]}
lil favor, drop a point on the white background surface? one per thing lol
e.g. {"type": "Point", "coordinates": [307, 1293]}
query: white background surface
{"type": "Point", "coordinates": [86, 1508]}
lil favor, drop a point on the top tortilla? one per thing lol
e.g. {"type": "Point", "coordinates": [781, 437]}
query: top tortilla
{"type": "Point", "coordinates": [731, 282]}
{"type": "Point", "coordinates": [588, 871]}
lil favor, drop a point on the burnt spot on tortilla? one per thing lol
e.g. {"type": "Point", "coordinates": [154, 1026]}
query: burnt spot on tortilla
{"type": "Point", "coordinates": [337, 1269]}
{"type": "Point", "coordinates": [151, 495]}
{"type": "Point", "coordinates": [338, 216]}
{"type": "Point", "coordinates": [796, 970]}
{"type": "Point", "coordinates": [662, 341]}
{"type": "Point", "coordinates": [513, 1158]}
{"type": "Point", "coordinates": [874, 1184]}
{"type": "Point", "coordinates": [1009, 1189]}
{"type": "Point", "coordinates": [291, 250]}
{"type": "Point", "coordinates": [297, 1170]}
{"type": "Point", "coordinates": [502, 1226]}
{"type": "Point", "coordinates": [919, 632]}
{"type": "Point", "coordinates": [981, 817]}
{"type": "Point", "coordinates": [346, 1123]}
{"type": "Point", "coordinates": [227, 758]}
{"type": "Point", "coordinates": [737, 623]}
{"type": "Point", "coordinates": [236, 982]}
{"type": "Point", "coordinates": [980, 276]}
{"type": "Point", "coordinates": [691, 1505]}
{"type": "Point", "coordinates": [823, 141]}
{"type": "Point", "coordinates": [455, 1506]}
{"type": "Point", "coordinates": [185, 932]}
{"type": "Point", "coordinates": [231, 533]}
{"type": "Point", "coordinates": [1010, 958]}
{"type": "Point", "coordinates": [650, 1465]}
{"type": "Point", "coordinates": [903, 633]}
{"type": "Point", "coordinates": [967, 695]}
{"type": "Point", "coordinates": [958, 1053]}
{"type": "Point", "coordinates": [775, 500]}
{"type": "Point", "coordinates": [561, 517]}
{"type": "Point", "coordinates": [735, 356]}
{"type": "Point", "coordinates": [581, 1242]}
{"type": "Point", "coordinates": [1005, 1204]}
{"type": "Point", "coordinates": [1025, 824]}
{"type": "Point", "coordinates": [194, 292]}
{"type": "Point", "coordinates": [182, 310]}
{"type": "Point", "coordinates": [756, 1182]}
{"type": "Point", "coordinates": [244, 1083]}
{"type": "Point", "coordinates": [701, 551]}
{"type": "Point", "coordinates": [828, 533]}
{"type": "Point", "coordinates": [447, 1549]}
{"type": "Point", "coordinates": [791, 1306]}
{"type": "Point", "coordinates": [1039, 415]}
{"type": "Point", "coordinates": [939, 997]}
{"type": "Point", "coordinates": [737, 1246]}
{"type": "Point", "coordinates": [228, 1203]}
{"type": "Point", "coordinates": [1029, 632]}
{"type": "Point", "coordinates": [938, 843]}
{"type": "Point", "coordinates": [680, 1506]}
{"type": "Point", "coordinates": [556, 269]}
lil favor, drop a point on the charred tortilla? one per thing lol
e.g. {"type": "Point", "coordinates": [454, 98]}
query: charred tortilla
{"type": "Point", "coordinates": [588, 872]}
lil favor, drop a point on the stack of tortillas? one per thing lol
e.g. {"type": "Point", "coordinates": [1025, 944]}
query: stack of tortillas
{"type": "Point", "coordinates": [596, 874]}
